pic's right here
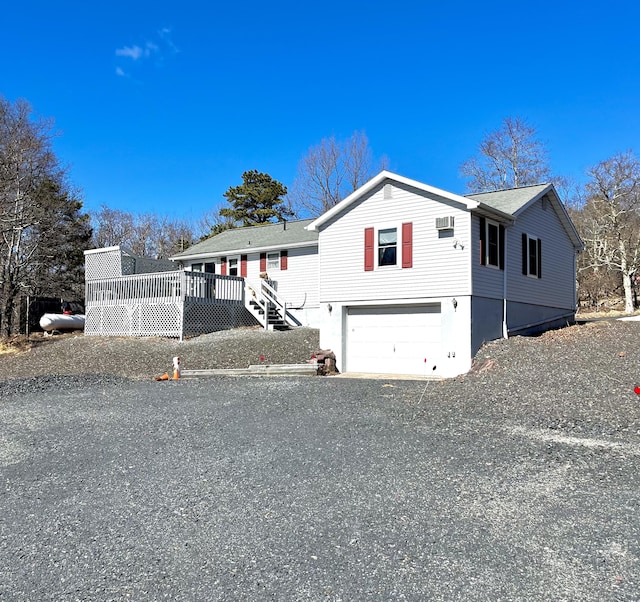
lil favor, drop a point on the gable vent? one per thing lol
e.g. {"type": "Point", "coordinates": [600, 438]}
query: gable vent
{"type": "Point", "coordinates": [444, 223]}
{"type": "Point", "coordinates": [387, 191]}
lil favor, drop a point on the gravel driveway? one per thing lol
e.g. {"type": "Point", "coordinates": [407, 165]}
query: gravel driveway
{"type": "Point", "coordinates": [519, 481]}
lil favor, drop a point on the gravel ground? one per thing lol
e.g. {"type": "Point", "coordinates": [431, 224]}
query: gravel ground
{"type": "Point", "coordinates": [145, 357]}
{"type": "Point", "coordinates": [519, 481]}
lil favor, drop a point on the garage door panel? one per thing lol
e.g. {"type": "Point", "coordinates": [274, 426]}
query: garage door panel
{"type": "Point", "coordinates": [393, 339]}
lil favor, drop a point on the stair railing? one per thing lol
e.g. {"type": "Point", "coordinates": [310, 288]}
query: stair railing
{"type": "Point", "coordinates": [271, 298]}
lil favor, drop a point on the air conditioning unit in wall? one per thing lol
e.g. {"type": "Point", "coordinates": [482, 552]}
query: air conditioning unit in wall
{"type": "Point", "coordinates": [444, 223]}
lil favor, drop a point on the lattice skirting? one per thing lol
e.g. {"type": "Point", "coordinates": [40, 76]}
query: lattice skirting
{"type": "Point", "coordinates": [200, 319]}
{"type": "Point", "coordinates": [134, 320]}
{"type": "Point", "coordinates": [165, 320]}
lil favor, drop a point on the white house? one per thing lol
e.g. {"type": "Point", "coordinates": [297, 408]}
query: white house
{"type": "Point", "coordinates": [286, 253]}
{"type": "Point", "coordinates": [413, 279]}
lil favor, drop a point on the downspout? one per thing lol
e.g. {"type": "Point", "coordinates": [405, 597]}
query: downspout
{"type": "Point", "coordinates": [505, 331]}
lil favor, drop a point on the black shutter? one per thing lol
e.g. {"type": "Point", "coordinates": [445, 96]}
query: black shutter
{"type": "Point", "coordinates": [525, 255]}
{"type": "Point", "coordinates": [539, 258]}
{"type": "Point", "coordinates": [483, 241]}
{"type": "Point", "coordinates": [501, 243]}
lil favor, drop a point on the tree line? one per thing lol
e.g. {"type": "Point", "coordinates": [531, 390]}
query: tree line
{"type": "Point", "coordinates": [44, 230]}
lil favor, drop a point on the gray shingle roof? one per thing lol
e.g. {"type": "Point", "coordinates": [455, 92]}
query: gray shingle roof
{"type": "Point", "coordinates": [509, 201]}
{"type": "Point", "coordinates": [276, 236]}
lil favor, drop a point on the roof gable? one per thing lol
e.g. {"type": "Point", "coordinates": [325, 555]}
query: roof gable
{"type": "Point", "coordinates": [383, 176]}
{"type": "Point", "coordinates": [254, 238]}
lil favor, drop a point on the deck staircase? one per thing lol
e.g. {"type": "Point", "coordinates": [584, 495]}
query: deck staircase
{"type": "Point", "coordinates": [267, 306]}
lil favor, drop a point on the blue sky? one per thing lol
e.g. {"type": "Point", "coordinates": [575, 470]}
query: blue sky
{"type": "Point", "coordinates": [162, 105]}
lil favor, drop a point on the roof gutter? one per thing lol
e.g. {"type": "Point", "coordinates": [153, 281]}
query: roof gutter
{"type": "Point", "coordinates": [489, 211]}
{"type": "Point", "coordinates": [243, 251]}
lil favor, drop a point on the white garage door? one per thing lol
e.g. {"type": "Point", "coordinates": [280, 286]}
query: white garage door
{"type": "Point", "coordinates": [393, 340]}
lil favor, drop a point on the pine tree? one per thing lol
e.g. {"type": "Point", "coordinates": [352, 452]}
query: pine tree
{"type": "Point", "coordinates": [258, 200]}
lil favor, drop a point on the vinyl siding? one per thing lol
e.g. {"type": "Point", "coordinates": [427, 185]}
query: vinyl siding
{"type": "Point", "coordinates": [438, 268]}
{"type": "Point", "coordinates": [556, 287]}
{"type": "Point", "coordinates": [487, 280]}
{"type": "Point", "coordinates": [298, 284]}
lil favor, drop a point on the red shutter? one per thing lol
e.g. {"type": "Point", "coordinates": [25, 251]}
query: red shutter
{"type": "Point", "coordinates": [407, 245]}
{"type": "Point", "coordinates": [263, 262]}
{"type": "Point", "coordinates": [223, 266]}
{"type": "Point", "coordinates": [243, 266]}
{"type": "Point", "coordinates": [368, 249]}
{"type": "Point", "coordinates": [284, 260]}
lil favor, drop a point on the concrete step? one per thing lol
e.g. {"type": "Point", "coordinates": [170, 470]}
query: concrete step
{"type": "Point", "coordinates": [257, 370]}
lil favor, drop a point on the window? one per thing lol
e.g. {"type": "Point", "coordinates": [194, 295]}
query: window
{"type": "Point", "coordinates": [491, 243]}
{"type": "Point", "coordinates": [273, 261]}
{"type": "Point", "coordinates": [196, 267]}
{"type": "Point", "coordinates": [233, 268]}
{"type": "Point", "coordinates": [210, 268]}
{"type": "Point", "coordinates": [531, 256]}
{"type": "Point", "coordinates": [387, 246]}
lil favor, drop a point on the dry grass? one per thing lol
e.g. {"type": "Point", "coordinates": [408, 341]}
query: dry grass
{"type": "Point", "coordinates": [609, 313]}
{"type": "Point", "coordinates": [15, 344]}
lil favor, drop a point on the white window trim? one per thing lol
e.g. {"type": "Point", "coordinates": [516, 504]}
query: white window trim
{"type": "Point", "coordinates": [229, 259]}
{"type": "Point", "coordinates": [376, 250]}
{"type": "Point", "coordinates": [531, 238]}
{"type": "Point", "coordinates": [487, 222]}
{"type": "Point", "coordinates": [277, 266]}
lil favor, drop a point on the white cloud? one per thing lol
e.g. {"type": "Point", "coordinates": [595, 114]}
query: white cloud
{"type": "Point", "coordinates": [156, 49]}
{"type": "Point", "coordinates": [134, 52]}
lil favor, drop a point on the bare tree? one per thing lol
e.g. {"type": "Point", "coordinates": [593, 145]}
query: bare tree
{"type": "Point", "coordinates": [212, 222]}
{"type": "Point", "coordinates": [146, 234]}
{"type": "Point", "coordinates": [112, 227]}
{"type": "Point", "coordinates": [610, 220]}
{"type": "Point", "coordinates": [331, 171]}
{"type": "Point", "coordinates": [508, 158]}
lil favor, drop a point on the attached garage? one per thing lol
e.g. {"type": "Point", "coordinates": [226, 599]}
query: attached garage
{"type": "Point", "coordinates": [393, 339]}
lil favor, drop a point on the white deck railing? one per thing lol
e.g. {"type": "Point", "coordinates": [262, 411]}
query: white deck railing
{"type": "Point", "coordinates": [165, 288]}
{"type": "Point", "coordinates": [164, 304]}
